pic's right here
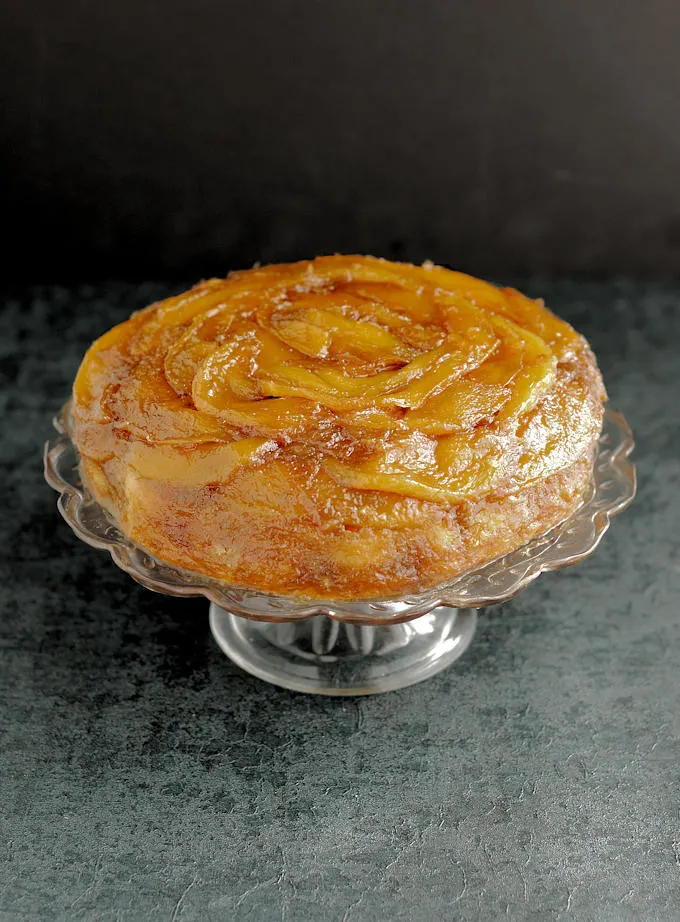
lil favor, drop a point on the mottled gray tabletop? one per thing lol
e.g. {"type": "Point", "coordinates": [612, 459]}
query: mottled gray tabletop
{"type": "Point", "coordinates": [144, 777]}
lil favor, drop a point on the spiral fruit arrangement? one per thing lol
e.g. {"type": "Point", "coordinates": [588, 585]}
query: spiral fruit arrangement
{"type": "Point", "coordinates": [345, 427]}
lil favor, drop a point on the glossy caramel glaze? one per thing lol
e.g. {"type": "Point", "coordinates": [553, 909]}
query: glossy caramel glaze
{"type": "Point", "coordinates": [345, 427]}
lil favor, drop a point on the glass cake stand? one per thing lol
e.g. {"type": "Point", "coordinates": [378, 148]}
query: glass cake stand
{"type": "Point", "coordinates": [362, 647]}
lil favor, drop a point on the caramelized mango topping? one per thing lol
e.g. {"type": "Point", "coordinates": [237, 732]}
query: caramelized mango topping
{"type": "Point", "coordinates": [416, 381]}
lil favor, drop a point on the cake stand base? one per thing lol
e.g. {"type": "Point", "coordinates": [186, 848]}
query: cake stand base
{"type": "Point", "coordinates": [321, 656]}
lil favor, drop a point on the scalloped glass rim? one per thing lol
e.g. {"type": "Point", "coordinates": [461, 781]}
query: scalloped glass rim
{"type": "Point", "coordinates": [612, 490]}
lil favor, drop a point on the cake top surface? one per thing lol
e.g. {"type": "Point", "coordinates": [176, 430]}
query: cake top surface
{"type": "Point", "coordinates": [407, 379]}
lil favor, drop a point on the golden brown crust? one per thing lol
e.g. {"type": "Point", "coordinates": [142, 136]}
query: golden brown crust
{"type": "Point", "coordinates": [250, 537]}
{"type": "Point", "coordinates": [423, 423]}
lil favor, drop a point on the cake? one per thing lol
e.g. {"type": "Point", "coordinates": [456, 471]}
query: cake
{"type": "Point", "coordinates": [339, 428]}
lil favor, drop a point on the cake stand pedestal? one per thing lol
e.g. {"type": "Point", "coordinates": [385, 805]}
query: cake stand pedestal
{"type": "Point", "coordinates": [324, 656]}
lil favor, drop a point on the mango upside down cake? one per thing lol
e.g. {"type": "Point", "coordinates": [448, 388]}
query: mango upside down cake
{"type": "Point", "coordinates": [344, 427]}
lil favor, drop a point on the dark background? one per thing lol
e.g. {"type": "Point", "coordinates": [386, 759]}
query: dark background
{"type": "Point", "coordinates": [172, 139]}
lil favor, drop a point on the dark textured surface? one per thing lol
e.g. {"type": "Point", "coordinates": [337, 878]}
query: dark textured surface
{"type": "Point", "coordinates": [143, 777]}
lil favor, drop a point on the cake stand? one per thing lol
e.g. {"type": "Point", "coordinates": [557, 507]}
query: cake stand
{"type": "Point", "coordinates": [367, 646]}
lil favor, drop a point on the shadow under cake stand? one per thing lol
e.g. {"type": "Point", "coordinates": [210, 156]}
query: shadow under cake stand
{"type": "Point", "coordinates": [353, 648]}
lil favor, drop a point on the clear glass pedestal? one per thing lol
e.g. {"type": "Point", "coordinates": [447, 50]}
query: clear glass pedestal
{"type": "Point", "coordinates": [327, 657]}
